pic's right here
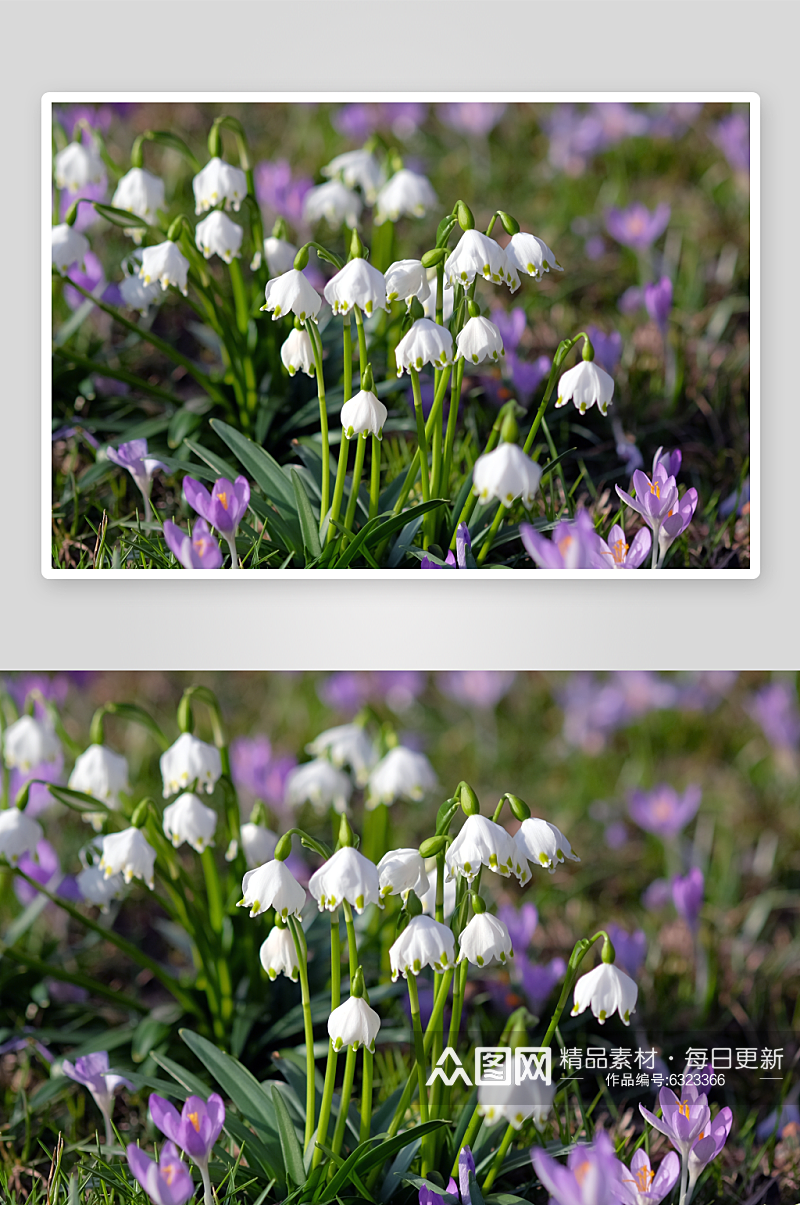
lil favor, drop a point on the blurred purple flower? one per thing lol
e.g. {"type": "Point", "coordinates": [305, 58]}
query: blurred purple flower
{"type": "Point", "coordinates": [279, 192]}
{"type": "Point", "coordinates": [224, 507]}
{"type": "Point", "coordinates": [658, 301]}
{"type": "Point", "coordinates": [631, 300]}
{"type": "Point", "coordinates": [592, 1175]}
{"type": "Point", "coordinates": [732, 136]}
{"type": "Point", "coordinates": [616, 834]}
{"type": "Point", "coordinates": [476, 688]}
{"type": "Point", "coordinates": [594, 247]}
{"type": "Point", "coordinates": [195, 1129]}
{"type": "Point", "coordinates": [45, 869]}
{"type": "Point", "coordinates": [672, 120]}
{"type": "Point", "coordinates": [521, 924]}
{"type": "Point", "coordinates": [257, 772]}
{"type": "Point", "coordinates": [687, 895]}
{"type": "Point", "coordinates": [739, 498]}
{"type": "Point", "coordinates": [657, 895]}
{"type": "Point", "coordinates": [65, 993]}
{"type": "Point", "coordinates": [198, 551]}
{"type": "Point", "coordinates": [87, 215]}
{"type": "Point", "coordinates": [91, 280]}
{"type": "Point", "coordinates": [39, 798]}
{"type": "Point", "coordinates": [538, 980]}
{"type": "Point", "coordinates": [52, 687]}
{"type": "Point", "coordinates": [630, 948]}
{"type": "Point", "coordinates": [349, 690]}
{"type": "Point", "coordinates": [789, 1115]}
{"type": "Point", "coordinates": [607, 348]}
{"type": "Point", "coordinates": [359, 120]}
{"type": "Point", "coordinates": [592, 709]}
{"type": "Point", "coordinates": [775, 708]}
{"type": "Point", "coordinates": [662, 811]}
{"type": "Point", "coordinates": [398, 688]}
{"type": "Point", "coordinates": [19, 1043]}
{"type": "Point", "coordinates": [573, 544]}
{"type": "Point", "coordinates": [527, 376]}
{"type": "Point", "coordinates": [471, 117]}
{"type": "Point", "coordinates": [577, 135]}
{"type": "Point", "coordinates": [166, 1183]}
{"type": "Point", "coordinates": [645, 691]}
{"type": "Point", "coordinates": [511, 325]}
{"type": "Point", "coordinates": [636, 226]}
{"type": "Point", "coordinates": [99, 117]}
{"type": "Point", "coordinates": [345, 691]}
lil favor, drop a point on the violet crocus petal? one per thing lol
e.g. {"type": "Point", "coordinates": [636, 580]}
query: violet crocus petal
{"type": "Point", "coordinates": [452, 1188]}
{"type": "Point", "coordinates": [466, 1164]}
{"type": "Point", "coordinates": [113, 1082]}
{"type": "Point", "coordinates": [659, 1123]}
{"type": "Point", "coordinates": [427, 563]}
{"type": "Point", "coordinates": [463, 542]}
{"type": "Point", "coordinates": [139, 1163]}
{"type": "Point", "coordinates": [166, 1117]}
{"type": "Point", "coordinates": [665, 1178]}
{"type": "Point", "coordinates": [229, 502]}
{"type": "Point", "coordinates": [557, 1179]}
{"type": "Point", "coordinates": [198, 498]}
{"type": "Point", "coordinates": [539, 548]}
{"type": "Point", "coordinates": [631, 502]}
{"type": "Point", "coordinates": [639, 549]}
{"type": "Point", "coordinates": [178, 543]}
{"type": "Point", "coordinates": [428, 1197]}
{"type": "Point", "coordinates": [215, 1112]}
{"type": "Point", "coordinates": [205, 551]}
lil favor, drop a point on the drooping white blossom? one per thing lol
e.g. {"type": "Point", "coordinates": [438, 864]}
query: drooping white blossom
{"type": "Point", "coordinates": [257, 842]}
{"type": "Point", "coordinates": [187, 761]}
{"type": "Point", "coordinates": [481, 842]}
{"type": "Point", "coordinates": [356, 284]}
{"type": "Point", "coordinates": [363, 414]}
{"type": "Point", "coordinates": [584, 385]}
{"type": "Point", "coordinates": [140, 193]}
{"type": "Point", "coordinates": [166, 264]}
{"type": "Point", "coordinates": [357, 169]}
{"type": "Point", "coordinates": [272, 886]}
{"type": "Point", "coordinates": [425, 343]}
{"type": "Point", "coordinates": [98, 889]}
{"type": "Point", "coordinates": [353, 1024]}
{"type": "Point", "coordinates": [476, 254]}
{"type": "Point", "coordinates": [218, 235]}
{"type": "Point", "coordinates": [401, 871]}
{"type": "Point", "coordinates": [320, 784]}
{"type": "Point", "coordinates": [606, 990]}
{"type": "Point", "coordinates": [347, 875]}
{"type": "Point", "coordinates": [279, 254]}
{"type": "Point", "coordinates": [19, 834]}
{"type": "Point", "coordinates": [291, 293]}
{"type": "Point", "coordinates": [139, 296]}
{"type": "Point", "coordinates": [401, 774]}
{"type": "Point", "coordinates": [483, 939]}
{"type": "Point", "coordinates": [219, 182]}
{"type": "Point", "coordinates": [334, 202]}
{"type": "Point", "coordinates": [69, 247]}
{"type": "Point", "coordinates": [406, 193]}
{"type": "Point", "coordinates": [29, 742]}
{"type": "Point", "coordinates": [531, 255]}
{"type": "Point", "coordinates": [506, 474]}
{"type": "Point", "coordinates": [101, 773]}
{"type": "Point", "coordinates": [428, 898]}
{"type": "Point", "coordinates": [77, 165]}
{"type": "Point", "coordinates": [297, 354]}
{"type": "Point", "coordinates": [516, 1103]}
{"type": "Point", "coordinates": [448, 297]}
{"type": "Point", "coordinates": [405, 280]}
{"type": "Point", "coordinates": [188, 819]}
{"type": "Point", "coordinates": [346, 745]}
{"type": "Point", "coordinates": [130, 854]}
{"type": "Point", "coordinates": [479, 340]}
{"type": "Point", "coordinates": [278, 955]}
{"type": "Point", "coordinates": [423, 943]}
{"type": "Point", "coordinates": [542, 843]}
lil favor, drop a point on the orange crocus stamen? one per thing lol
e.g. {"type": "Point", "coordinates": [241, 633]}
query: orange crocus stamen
{"type": "Point", "coordinates": [655, 488]}
{"type": "Point", "coordinates": [194, 1118]}
{"type": "Point", "coordinates": [619, 550]}
{"type": "Point", "coordinates": [223, 498]}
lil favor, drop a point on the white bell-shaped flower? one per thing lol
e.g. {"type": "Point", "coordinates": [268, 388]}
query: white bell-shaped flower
{"type": "Point", "coordinates": [357, 169]}
{"type": "Point", "coordinates": [516, 1103]}
{"type": "Point", "coordinates": [542, 843]}
{"type": "Point", "coordinates": [279, 956]}
{"type": "Point", "coordinates": [407, 279]}
{"type": "Point", "coordinates": [320, 784]}
{"type": "Point", "coordinates": [364, 414]}
{"type": "Point", "coordinates": [423, 943]}
{"type": "Point", "coordinates": [481, 842]}
{"type": "Point", "coordinates": [166, 264]}
{"type": "Point", "coordinates": [353, 1024]}
{"type": "Point", "coordinates": [139, 296]}
{"type": "Point", "coordinates": [478, 255]}
{"type": "Point", "coordinates": [346, 745]}
{"type": "Point", "coordinates": [291, 293]}
{"type": "Point", "coordinates": [606, 990]}
{"type": "Point", "coordinates": [428, 898]}
{"type": "Point", "coordinates": [506, 474]}
{"type": "Point", "coordinates": [77, 165]}
{"type": "Point", "coordinates": [347, 875]}
{"type": "Point", "coordinates": [479, 340]}
{"type": "Point", "coordinates": [401, 774]}
{"type": "Point", "coordinates": [272, 886]}
{"type": "Point", "coordinates": [356, 284]}
{"type": "Point", "coordinates": [279, 254]}
{"type": "Point", "coordinates": [188, 819]}
{"type": "Point", "coordinates": [19, 834]}
{"type": "Point", "coordinates": [425, 343]}
{"type": "Point", "coordinates": [101, 773]}
{"type": "Point", "coordinates": [69, 247]}
{"type": "Point", "coordinates": [187, 761]}
{"type": "Point", "coordinates": [98, 889]}
{"type": "Point", "coordinates": [485, 938]}
{"type": "Point", "coordinates": [401, 871]}
{"type": "Point", "coordinates": [257, 842]}
{"type": "Point", "coordinates": [130, 854]}
{"type": "Point", "coordinates": [406, 192]}
{"type": "Point", "coordinates": [219, 182]}
{"type": "Point", "coordinates": [333, 202]}
{"type": "Point", "coordinates": [29, 742]}
{"type": "Point", "coordinates": [297, 354]}
{"type": "Point", "coordinates": [218, 235]}
{"type": "Point", "coordinates": [140, 193]}
{"type": "Point", "coordinates": [448, 296]}
{"type": "Point", "coordinates": [584, 385]}
{"type": "Point", "coordinates": [531, 255]}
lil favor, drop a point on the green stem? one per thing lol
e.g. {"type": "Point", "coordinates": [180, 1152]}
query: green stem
{"type": "Point", "coordinates": [361, 444]}
{"type": "Point", "coordinates": [375, 477]}
{"type": "Point", "coordinates": [413, 468]}
{"type": "Point", "coordinates": [347, 357]}
{"type": "Point", "coordinates": [366, 1096]}
{"type": "Point", "coordinates": [362, 340]}
{"type": "Point", "coordinates": [419, 1053]}
{"type": "Point", "coordinates": [239, 296]}
{"type": "Point", "coordinates": [502, 511]}
{"type": "Point", "coordinates": [316, 344]}
{"type": "Point", "coordinates": [330, 1069]}
{"type": "Point", "coordinates": [497, 1163]}
{"type": "Point", "coordinates": [422, 443]}
{"type": "Point", "coordinates": [344, 1103]}
{"type": "Point", "coordinates": [452, 419]}
{"type": "Point", "coordinates": [472, 498]}
{"type": "Point", "coordinates": [338, 488]}
{"type": "Point", "coordinates": [308, 1028]}
{"type": "Point", "coordinates": [352, 948]}
{"type": "Point", "coordinates": [470, 1134]}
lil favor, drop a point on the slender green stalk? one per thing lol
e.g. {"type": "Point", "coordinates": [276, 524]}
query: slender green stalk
{"type": "Point", "coordinates": [239, 296]}
{"type": "Point", "coordinates": [472, 498]}
{"type": "Point", "coordinates": [419, 1049]}
{"type": "Point", "coordinates": [470, 1134]}
{"type": "Point", "coordinates": [452, 419]}
{"type": "Point", "coordinates": [413, 468]}
{"type": "Point", "coordinates": [344, 1103]}
{"type": "Point", "coordinates": [366, 1096]}
{"type": "Point", "coordinates": [501, 513]}
{"type": "Point", "coordinates": [433, 1023]}
{"type": "Point", "coordinates": [497, 1163]}
{"type": "Point", "coordinates": [422, 442]}
{"type": "Point", "coordinates": [362, 340]}
{"type": "Point", "coordinates": [375, 477]}
{"type": "Point", "coordinates": [302, 960]}
{"type": "Point", "coordinates": [347, 357]}
{"type": "Point", "coordinates": [361, 444]}
{"type": "Point", "coordinates": [352, 948]}
{"type": "Point", "coordinates": [338, 488]}
{"type": "Point", "coordinates": [208, 1196]}
{"type": "Point", "coordinates": [316, 345]}
{"type": "Point", "coordinates": [330, 1069]}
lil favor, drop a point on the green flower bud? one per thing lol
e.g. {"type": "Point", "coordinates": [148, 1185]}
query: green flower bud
{"type": "Point", "coordinates": [357, 985]}
{"type": "Point", "coordinates": [478, 904]}
{"type": "Point", "coordinates": [301, 259]}
{"type": "Point", "coordinates": [468, 800]}
{"type": "Point", "coordinates": [445, 816]}
{"type": "Point", "coordinates": [519, 808]}
{"type": "Point", "coordinates": [588, 350]}
{"type": "Point", "coordinates": [465, 219]}
{"type": "Point", "coordinates": [509, 432]}
{"type": "Point", "coordinates": [432, 846]}
{"type": "Point", "coordinates": [21, 800]}
{"type": "Point", "coordinates": [368, 380]}
{"type": "Point", "coordinates": [259, 814]}
{"type": "Point", "coordinates": [283, 848]}
{"type": "Point", "coordinates": [356, 246]}
{"type": "Point", "coordinates": [413, 905]}
{"type": "Point", "coordinates": [431, 258]}
{"type": "Point", "coordinates": [608, 953]}
{"type": "Point", "coordinates": [140, 814]}
{"type": "Point", "coordinates": [214, 142]}
{"type": "Point", "coordinates": [279, 230]}
{"type": "Point", "coordinates": [473, 309]}
{"type": "Point", "coordinates": [173, 233]}
{"type": "Point", "coordinates": [72, 214]}
{"type": "Point", "coordinates": [345, 832]}
{"type": "Point", "coordinates": [185, 715]}
{"type": "Point", "coordinates": [510, 225]}
{"type": "Point", "coordinates": [444, 229]}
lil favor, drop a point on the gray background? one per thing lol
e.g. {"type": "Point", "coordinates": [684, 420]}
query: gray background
{"type": "Point", "coordinates": [497, 623]}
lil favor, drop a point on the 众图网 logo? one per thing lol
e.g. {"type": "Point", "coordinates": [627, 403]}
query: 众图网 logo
{"type": "Point", "coordinates": [495, 1065]}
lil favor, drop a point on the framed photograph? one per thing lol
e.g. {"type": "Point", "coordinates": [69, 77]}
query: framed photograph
{"type": "Point", "coordinates": [384, 333]}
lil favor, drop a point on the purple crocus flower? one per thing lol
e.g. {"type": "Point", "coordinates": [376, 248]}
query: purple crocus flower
{"type": "Point", "coordinates": [656, 501]}
{"type": "Point", "coordinates": [671, 461]}
{"type": "Point", "coordinates": [636, 226]}
{"type": "Point", "coordinates": [166, 1183]}
{"type": "Point", "coordinates": [630, 948]}
{"type": "Point", "coordinates": [709, 1145]}
{"type": "Point", "coordinates": [195, 1129]}
{"type": "Point", "coordinates": [594, 247]}
{"type": "Point", "coordinates": [223, 508]}
{"type": "Point", "coordinates": [133, 457]}
{"type": "Point", "coordinates": [45, 869]}
{"type": "Point", "coordinates": [459, 561]}
{"type": "Point", "coordinates": [92, 278]}
{"type": "Point", "coordinates": [511, 325]}
{"type": "Point", "coordinates": [657, 895]}
{"type": "Point", "coordinates": [607, 348]}
{"type": "Point", "coordinates": [198, 551]}
{"type": "Point", "coordinates": [526, 376]}
{"type": "Point", "coordinates": [662, 811]}
{"type": "Point", "coordinates": [682, 1121]}
{"type": "Point", "coordinates": [618, 554]}
{"type": "Point", "coordinates": [631, 300]}
{"type": "Point", "coordinates": [344, 691]}
{"type": "Point", "coordinates": [687, 895]}
{"type": "Point", "coordinates": [732, 136]}
{"type": "Point", "coordinates": [641, 1185]}
{"type": "Point", "coordinates": [39, 798]}
{"type": "Point", "coordinates": [278, 192]}
{"type": "Point", "coordinates": [481, 688]}
{"type": "Point", "coordinates": [591, 1177]}
{"type": "Point", "coordinates": [92, 1071]}
{"type": "Point", "coordinates": [521, 924]}
{"type": "Point", "coordinates": [676, 522]}
{"type": "Point", "coordinates": [774, 707]}
{"type": "Point", "coordinates": [87, 215]}
{"type": "Point", "coordinates": [471, 117]}
{"type": "Point", "coordinates": [539, 979]}
{"type": "Point", "coordinates": [658, 302]}
{"type": "Point", "coordinates": [258, 772]}
{"type": "Point", "coordinates": [574, 544]}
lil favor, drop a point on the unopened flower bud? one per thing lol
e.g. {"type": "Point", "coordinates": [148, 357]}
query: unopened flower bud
{"type": "Point", "coordinates": [432, 846]}
{"type": "Point", "coordinates": [478, 904]}
{"type": "Point", "coordinates": [473, 309]}
{"type": "Point", "coordinates": [436, 256]}
{"type": "Point", "coordinates": [72, 214]}
{"type": "Point", "coordinates": [519, 808]}
{"type": "Point", "coordinates": [301, 259]}
{"type": "Point", "coordinates": [357, 986]}
{"type": "Point", "coordinates": [413, 905]}
{"type": "Point", "coordinates": [356, 246]}
{"type": "Point", "coordinates": [509, 431]}
{"type": "Point", "coordinates": [588, 350]}
{"type": "Point", "coordinates": [468, 800]}
{"type": "Point", "coordinates": [416, 310]}
{"type": "Point", "coordinates": [139, 817]}
{"type": "Point", "coordinates": [608, 953]}
{"type": "Point", "coordinates": [465, 219]}
{"type": "Point", "coordinates": [510, 225]}
{"type": "Point", "coordinates": [283, 848]}
{"type": "Point", "coordinates": [345, 832]}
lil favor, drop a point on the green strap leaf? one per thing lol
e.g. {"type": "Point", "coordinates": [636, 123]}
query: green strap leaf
{"type": "Point", "coordinates": [375, 531]}
{"type": "Point", "coordinates": [260, 465]}
{"type": "Point", "coordinates": [292, 1151]}
{"type": "Point", "coordinates": [235, 1080]}
{"type": "Point", "coordinates": [120, 217]}
{"type": "Point", "coordinates": [308, 522]}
